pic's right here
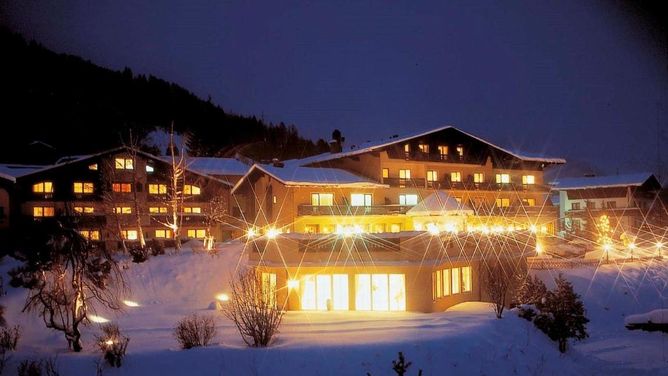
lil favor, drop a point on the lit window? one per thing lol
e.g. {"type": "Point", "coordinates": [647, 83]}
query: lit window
{"type": "Point", "coordinates": [191, 189]}
{"type": "Point", "coordinates": [439, 283]}
{"type": "Point", "coordinates": [380, 292]}
{"type": "Point", "coordinates": [124, 164]}
{"type": "Point", "coordinates": [149, 168]}
{"type": "Point", "coordinates": [502, 202]}
{"type": "Point", "coordinates": [466, 279]}
{"type": "Point", "coordinates": [528, 179]}
{"type": "Point", "coordinates": [274, 199]}
{"type": "Point", "coordinates": [360, 199]}
{"type": "Point", "coordinates": [575, 206]}
{"type": "Point", "coordinates": [447, 280]}
{"type": "Point", "coordinates": [123, 210]}
{"type": "Point", "coordinates": [408, 199]}
{"type": "Point", "coordinates": [311, 229]}
{"type": "Point", "coordinates": [90, 234]}
{"type": "Point", "coordinates": [84, 209]}
{"type": "Point", "coordinates": [322, 199]}
{"type": "Point", "coordinates": [83, 187]}
{"type": "Point", "coordinates": [529, 201]}
{"type": "Point", "coordinates": [157, 209]}
{"type": "Point", "coordinates": [192, 209]}
{"type": "Point", "coordinates": [163, 234]}
{"type": "Point", "coordinates": [424, 148]}
{"type": "Point", "coordinates": [386, 173]}
{"type": "Point", "coordinates": [404, 174]}
{"type": "Point", "coordinates": [129, 234]}
{"type": "Point", "coordinates": [460, 151]}
{"type": "Point", "coordinates": [395, 227]}
{"type": "Point", "coordinates": [157, 189]}
{"type": "Point", "coordinates": [197, 233]}
{"type": "Point", "coordinates": [121, 187]}
{"type": "Point", "coordinates": [92, 167]}
{"type": "Point", "coordinates": [432, 175]}
{"type": "Point", "coordinates": [43, 187]}
{"type": "Point", "coordinates": [443, 151]}
{"type": "Point", "coordinates": [478, 177]}
{"type": "Point", "coordinates": [456, 177]}
{"type": "Point", "coordinates": [456, 281]}
{"type": "Point", "coordinates": [43, 211]}
{"type": "Point", "coordinates": [407, 148]}
{"type": "Point", "coordinates": [502, 178]}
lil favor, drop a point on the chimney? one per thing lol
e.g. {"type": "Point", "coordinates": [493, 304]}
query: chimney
{"type": "Point", "coordinates": [277, 163]}
{"type": "Point", "coordinates": [335, 146]}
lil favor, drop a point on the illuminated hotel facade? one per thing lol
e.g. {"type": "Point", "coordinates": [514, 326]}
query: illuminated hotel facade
{"type": "Point", "coordinates": [401, 224]}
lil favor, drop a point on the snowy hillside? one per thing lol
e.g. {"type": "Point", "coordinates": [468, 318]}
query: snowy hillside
{"type": "Point", "coordinates": [465, 340]}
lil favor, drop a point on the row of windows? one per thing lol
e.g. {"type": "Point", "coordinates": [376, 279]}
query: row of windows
{"type": "Point", "coordinates": [122, 163]}
{"type": "Point", "coordinates": [365, 199]}
{"type": "Point", "coordinates": [375, 228]}
{"type": "Point", "coordinates": [456, 177]}
{"type": "Point", "coordinates": [592, 205]}
{"type": "Point", "coordinates": [49, 211]}
{"type": "Point", "coordinates": [88, 187]}
{"type": "Point", "coordinates": [442, 149]}
{"type": "Point", "coordinates": [451, 281]}
{"type": "Point", "coordinates": [134, 235]}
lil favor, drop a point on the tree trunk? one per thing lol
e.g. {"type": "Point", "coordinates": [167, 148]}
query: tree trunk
{"type": "Point", "coordinates": [562, 344]}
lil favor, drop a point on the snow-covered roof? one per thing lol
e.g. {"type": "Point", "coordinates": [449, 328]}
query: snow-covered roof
{"type": "Point", "coordinates": [13, 171]}
{"type": "Point", "coordinates": [215, 166]}
{"type": "Point", "coordinates": [296, 175]}
{"type": "Point", "coordinates": [628, 180]}
{"type": "Point", "coordinates": [439, 203]}
{"type": "Point", "coordinates": [375, 145]}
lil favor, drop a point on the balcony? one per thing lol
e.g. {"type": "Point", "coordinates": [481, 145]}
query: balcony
{"type": "Point", "coordinates": [465, 185]}
{"type": "Point", "coordinates": [518, 211]}
{"type": "Point", "coordinates": [405, 183]}
{"type": "Point", "coordinates": [352, 210]}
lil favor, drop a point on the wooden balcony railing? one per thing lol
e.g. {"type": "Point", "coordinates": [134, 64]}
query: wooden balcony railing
{"type": "Point", "coordinates": [352, 210]}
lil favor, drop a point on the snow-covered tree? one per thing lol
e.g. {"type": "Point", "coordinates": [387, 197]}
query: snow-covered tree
{"type": "Point", "coordinates": [67, 277]}
{"type": "Point", "coordinates": [174, 196]}
{"type": "Point", "coordinates": [498, 278]}
{"type": "Point", "coordinates": [563, 314]}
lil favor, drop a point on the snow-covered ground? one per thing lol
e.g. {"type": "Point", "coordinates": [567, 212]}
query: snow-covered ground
{"type": "Point", "coordinates": [465, 340]}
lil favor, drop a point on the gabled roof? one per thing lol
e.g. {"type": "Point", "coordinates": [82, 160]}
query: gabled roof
{"type": "Point", "coordinates": [77, 159]}
{"type": "Point", "coordinates": [215, 166]}
{"type": "Point", "coordinates": [371, 146]}
{"type": "Point", "coordinates": [295, 175]}
{"type": "Point", "coordinates": [613, 181]}
{"type": "Point", "coordinates": [439, 203]}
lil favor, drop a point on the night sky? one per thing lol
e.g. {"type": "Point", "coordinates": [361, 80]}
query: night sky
{"type": "Point", "coordinates": [584, 80]}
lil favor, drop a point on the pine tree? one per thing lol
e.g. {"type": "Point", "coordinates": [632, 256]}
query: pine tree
{"type": "Point", "coordinates": [563, 315]}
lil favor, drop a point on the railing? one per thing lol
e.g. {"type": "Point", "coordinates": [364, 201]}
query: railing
{"type": "Point", "coordinates": [352, 210]}
{"type": "Point", "coordinates": [408, 183]}
{"type": "Point", "coordinates": [517, 210]}
{"type": "Point", "coordinates": [466, 185]}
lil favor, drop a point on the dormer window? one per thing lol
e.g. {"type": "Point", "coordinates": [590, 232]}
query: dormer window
{"type": "Point", "coordinates": [92, 167]}
{"type": "Point", "coordinates": [528, 179]}
{"type": "Point", "coordinates": [149, 168]}
{"type": "Point", "coordinates": [424, 148]}
{"type": "Point", "coordinates": [407, 150]}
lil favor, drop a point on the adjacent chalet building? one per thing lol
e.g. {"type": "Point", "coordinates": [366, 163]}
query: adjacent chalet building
{"type": "Point", "coordinates": [631, 202]}
{"type": "Point", "coordinates": [112, 194]}
{"type": "Point", "coordinates": [401, 224]}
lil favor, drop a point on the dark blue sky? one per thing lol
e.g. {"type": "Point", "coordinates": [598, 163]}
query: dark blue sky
{"type": "Point", "coordinates": [584, 80]}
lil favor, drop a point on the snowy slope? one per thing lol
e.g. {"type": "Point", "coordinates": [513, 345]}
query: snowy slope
{"type": "Point", "coordinates": [465, 340]}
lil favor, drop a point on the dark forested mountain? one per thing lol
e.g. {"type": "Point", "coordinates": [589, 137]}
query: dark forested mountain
{"type": "Point", "coordinates": [56, 104]}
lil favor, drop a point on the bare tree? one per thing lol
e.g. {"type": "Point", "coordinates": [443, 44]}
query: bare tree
{"type": "Point", "coordinates": [253, 310]}
{"type": "Point", "coordinates": [499, 276]}
{"type": "Point", "coordinates": [133, 149]}
{"type": "Point", "coordinates": [111, 202]}
{"type": "Point", "coordinates": [216, 213]}
{"type": "Point", "coordinates": [68, 277]}
{"type": "Point", "coordinates": [174, 197]}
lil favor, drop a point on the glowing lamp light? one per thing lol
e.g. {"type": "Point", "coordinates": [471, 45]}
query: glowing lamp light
{"type": "Point", "coordinates": [659, 245]}
{"type": "Point", "coordinates": [632, 246]}
{"type": "Point", "coordinates": [222, 297]}
{"type": "Point", "coordinates": [109, 342]}
{"type": "Point", "coordinates": [97, 319]}
{"type": "Point", "coordinates": [433, 229]}
{"type": "Point", "coordinates": [293, 284]}
{"type": "Point", "coordinates": [130, 303]}
{"type": "Point", "coordinates": [539, 249]}
{"type": "Point", "coordinates": [607, 247]}
{"type": "Point", "coordinates": [450, 227]}
{"type": "Point", "coordinates": [273, 232]}
{"type": "Point", "coordinates": [251, 233]}
{"type": "Point", "coordinates": [533, 229]}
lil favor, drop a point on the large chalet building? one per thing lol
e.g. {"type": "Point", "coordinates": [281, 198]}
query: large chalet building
{"type": "Point", "coordinates": [111, 195]}
{"type": "Point", "coordinates": [401, 224]}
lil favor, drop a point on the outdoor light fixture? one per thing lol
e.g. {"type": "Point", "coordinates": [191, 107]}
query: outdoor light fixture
{"type": "Point", "coordinates": [97, 319]}
{"type": "Point", "coordinates": [659, 245]}
{"type": "Point", "coordinates": [130, 303]}
{"type": "Point", "coordinates": [533, 229]}
{"type": "Point", "coordinates": [433, 229]}
{"type": "Point", "coordinates": [222, 297]}
{"type": "Point", "coordinates": [539, 249]}
{"type": "Point", "coordinates": [293, 284]}
{"type": "Point", "coordinates": [251, 233]}
{"type": "Point", "coordinates": [272, 233]}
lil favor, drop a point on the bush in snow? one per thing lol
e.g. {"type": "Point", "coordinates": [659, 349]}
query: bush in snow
{"type": "Point", "coordinates": [499, 276]}
{"type": "Point", "coordinates": [194, 331]}
{"type": "Point", "coordinates": [400, 366]}
{"type": "Point", "coordinates": [530, 297]}
{"type": "Point", "coordinates": [112, 344]}
{"type": "Point", "coordinates": [9, 339]}
{"type": "Point", "coordinates": [157, 247]}
{"type": "Point", "coordinates": [252, 308]}
{"type": "Point", "coordinates": [30, 368]}
{"type": "Point", "coordinates": [562, 316]}
{"type": "Point", "coordinates": [139, 254]}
